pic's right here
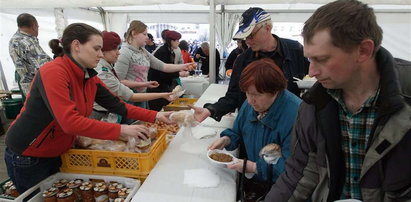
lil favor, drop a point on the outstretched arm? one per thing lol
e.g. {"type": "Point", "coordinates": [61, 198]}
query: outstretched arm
{"type": "Point", "coordinates": [141, 97]}
{"type": "Point", "coordinates": [135, 84]}
{"type": "Point", "coordinates": [178, 68]}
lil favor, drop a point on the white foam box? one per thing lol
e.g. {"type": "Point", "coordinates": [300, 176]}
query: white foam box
{"type": "Point", "coordinates": [130, 183]}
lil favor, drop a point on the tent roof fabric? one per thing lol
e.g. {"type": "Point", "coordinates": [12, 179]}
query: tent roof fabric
{"type": "Point", "coordinates": [111, 3]}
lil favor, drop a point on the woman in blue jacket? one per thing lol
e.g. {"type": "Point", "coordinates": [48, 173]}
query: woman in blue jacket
{"type": "Point", "coordinates": [266, 117]}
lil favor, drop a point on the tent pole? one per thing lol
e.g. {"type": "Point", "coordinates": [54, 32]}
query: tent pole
{"type": "Point", "coordinates": [212, 52]}
{"type": "Point", "coordinates": [60, 20]}
{"type": "Point", "coordinates": [223, 22]}
{"type": "Point", "coordinates": [3, 79]}
{"type": "Point", "coordinates": [104, 18]}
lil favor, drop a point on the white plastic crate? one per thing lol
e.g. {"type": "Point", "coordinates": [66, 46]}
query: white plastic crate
{"type": "Point", "coordinates": [131, 183]}
{"type": "Point", "coordinates": [6, 200]}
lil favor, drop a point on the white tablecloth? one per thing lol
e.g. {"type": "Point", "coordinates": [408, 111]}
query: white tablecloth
{"type": "Point", "coordinates": [212, 94]}
{"type": "Point", "coordinates": [165, 182]}
{"type": "Point", "coordinates": [194, 85]}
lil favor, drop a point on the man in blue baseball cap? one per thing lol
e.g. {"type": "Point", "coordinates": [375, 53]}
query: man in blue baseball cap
{"type": "Point", "coordinates": [249, 19]}
{"type": "Point", "coordinates": [255, 27]}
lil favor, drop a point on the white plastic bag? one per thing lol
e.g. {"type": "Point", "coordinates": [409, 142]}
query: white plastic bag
{"type": "Point", "coordinates": [184, 118]}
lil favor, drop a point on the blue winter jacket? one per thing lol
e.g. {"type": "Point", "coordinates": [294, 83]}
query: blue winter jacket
{"type": "Point", "coordinates": [275, 127]}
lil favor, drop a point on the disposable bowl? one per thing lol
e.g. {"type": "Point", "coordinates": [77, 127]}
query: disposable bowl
{"type": "Point", "coordinates": [219, 163]}
{"type": "Point", "coordinates": [304, 84]}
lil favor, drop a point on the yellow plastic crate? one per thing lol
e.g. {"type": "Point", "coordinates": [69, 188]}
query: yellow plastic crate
{"type": "Point", "coordinates": [180, 104]}
{"type": "Point", "coordinates": [136, 165]}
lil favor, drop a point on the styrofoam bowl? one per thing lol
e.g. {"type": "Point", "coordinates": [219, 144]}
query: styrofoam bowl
{"type": "Point", "coordinates": [219, 163]}
{"type": "Point", "coordinates": [303, 84]}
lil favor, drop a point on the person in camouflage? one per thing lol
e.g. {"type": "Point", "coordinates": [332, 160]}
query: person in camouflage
{"type": "Point", "coordinates": [25, 51]}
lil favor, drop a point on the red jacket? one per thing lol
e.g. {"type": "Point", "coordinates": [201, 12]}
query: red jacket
{"type": "Point", "coordinates": [186, 56]}
{"type": "Point", "coordinates": [57, 108]}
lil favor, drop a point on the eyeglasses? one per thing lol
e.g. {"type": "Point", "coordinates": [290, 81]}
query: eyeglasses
{"type": "Point", "coordinates": [252, 35]}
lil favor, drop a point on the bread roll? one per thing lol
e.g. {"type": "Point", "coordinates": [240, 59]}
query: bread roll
{"type": "Point", "coordinates": [271, 153]}
{"type": "Point", "coordinates": [115, 145]}
{"type": "Point", "coordinates": [178, 91]}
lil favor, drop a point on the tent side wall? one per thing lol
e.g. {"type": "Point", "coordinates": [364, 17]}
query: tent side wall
{"type": "Point", "coordinates": [47, 31]}
{"type": "Point", "coordinates": [45, 18]}
{"type": "Point", "coordinates": [396, 33]}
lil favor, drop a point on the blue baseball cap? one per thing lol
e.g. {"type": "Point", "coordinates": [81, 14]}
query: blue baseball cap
{"type": "Point", "coordinates": [249, 19]}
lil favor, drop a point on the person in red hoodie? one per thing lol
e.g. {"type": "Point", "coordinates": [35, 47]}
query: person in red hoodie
{"type": "Point", "coordinates": [57, 108]}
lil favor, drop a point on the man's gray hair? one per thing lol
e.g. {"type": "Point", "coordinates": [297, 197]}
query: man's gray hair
{"type": "Point", "coordinates": [205, 45]}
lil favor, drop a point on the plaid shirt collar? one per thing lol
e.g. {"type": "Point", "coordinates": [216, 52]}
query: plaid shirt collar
{"type": "Point", "coordinates": [336, 94]}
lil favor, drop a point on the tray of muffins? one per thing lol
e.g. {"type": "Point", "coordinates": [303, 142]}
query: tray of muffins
{"type": "Point", "coordinates": [69, 187]}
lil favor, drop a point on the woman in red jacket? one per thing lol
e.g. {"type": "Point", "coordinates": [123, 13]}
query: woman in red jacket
{"type": "Point", "coordinates": [58, 106]}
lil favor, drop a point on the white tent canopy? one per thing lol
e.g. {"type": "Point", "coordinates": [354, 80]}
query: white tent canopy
{"type": "Point", "coordinates": [109, 3]}
{"type": "Point", "coordinates": [394, 16]}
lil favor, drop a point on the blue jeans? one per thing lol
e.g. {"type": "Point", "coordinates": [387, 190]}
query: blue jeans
{"type": "Point", "coordinates": [25, 172]}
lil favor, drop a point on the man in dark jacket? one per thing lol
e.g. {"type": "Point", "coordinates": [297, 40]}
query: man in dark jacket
{"type": "Point", "coordinates": [203, 55]}
{"type": "Point", "coordinates": [255, 28]}
{"type": "Point", "coordinates": [352, 136]}
{"type": "Point", "coordinates": [241, 47]}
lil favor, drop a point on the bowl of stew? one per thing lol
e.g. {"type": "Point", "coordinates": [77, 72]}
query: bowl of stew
{"type": "Point", "coordinates": [221, 158]}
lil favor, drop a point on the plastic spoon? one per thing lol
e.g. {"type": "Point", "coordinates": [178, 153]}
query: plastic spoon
{"type": "Point", "coordinates": [298, 79]}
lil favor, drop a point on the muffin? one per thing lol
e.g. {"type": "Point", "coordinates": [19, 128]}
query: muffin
{"type": "Point", "coordinates": [101, 192]}
{"type": "Point", "coordinates": [50, 195]}
{"type": "Point", "coordinates": [66, 195]}
{"type": "Point", "coordinates": [12, 191]}
{"type": "Point", "coordinates": [60, 184]}
{"type": "Point", "coordinates": [75, 186]}
{"type": "Point", "coordinates": [86, 191]}
{"type": "Point", "coordinates": [113, 189]}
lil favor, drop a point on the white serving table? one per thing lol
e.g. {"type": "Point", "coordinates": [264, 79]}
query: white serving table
{"type": "Point", "coordinates": [165, 182]}
{"type": "Point", "coordinates": [195, 85]}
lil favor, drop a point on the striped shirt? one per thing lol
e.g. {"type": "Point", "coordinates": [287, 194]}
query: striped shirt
{"type": "Point", "coordinates": [355, 130]}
